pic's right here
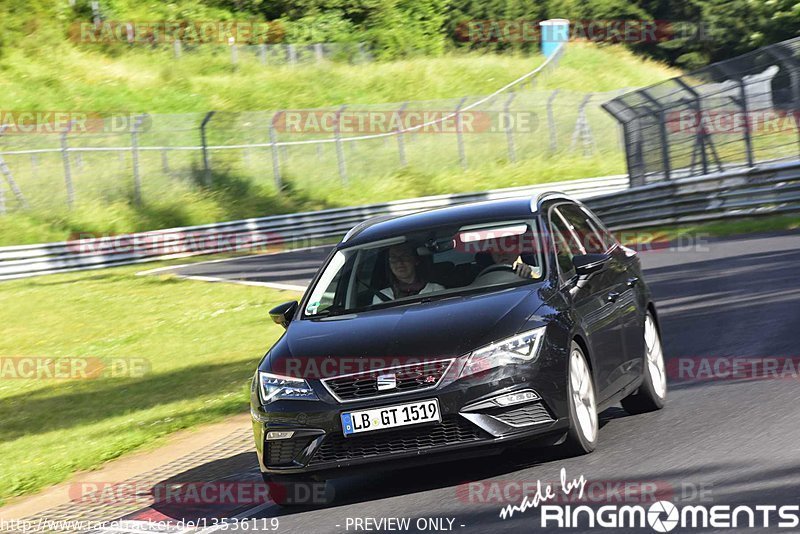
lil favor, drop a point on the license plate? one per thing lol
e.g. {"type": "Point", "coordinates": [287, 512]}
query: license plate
{"type": "Point", "coordinates": [412, 413]}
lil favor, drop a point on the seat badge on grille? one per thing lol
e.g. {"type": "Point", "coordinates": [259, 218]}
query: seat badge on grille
{"type": "Point", "coordinates": [387, 381]}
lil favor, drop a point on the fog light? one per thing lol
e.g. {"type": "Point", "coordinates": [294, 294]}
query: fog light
{"type": "Point", "coordinates": [517, 398]}
{"type": "Point", "coordinates": [279, 434]}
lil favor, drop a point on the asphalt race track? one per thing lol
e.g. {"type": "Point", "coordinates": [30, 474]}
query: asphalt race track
{"type": "Point", "coordinates": [721, 441]}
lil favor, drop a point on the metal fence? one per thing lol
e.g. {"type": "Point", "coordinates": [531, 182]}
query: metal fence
{"type": "Point", "coordinates": [276, 54]}
{"type": "Point", "coordinates": [735, 112]}
{"type": "Point", "coordinates": [151, 157]}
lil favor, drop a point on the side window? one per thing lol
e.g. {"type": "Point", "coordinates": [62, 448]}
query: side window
{"type": "Point", "coordinates": [564, 245]}
{"type": "Point", "coordinates": [583, 228]}
{"type": "Point", "coordinates": [608, 238]}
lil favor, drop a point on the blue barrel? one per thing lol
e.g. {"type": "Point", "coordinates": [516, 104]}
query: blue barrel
{"type": "Point", "coordinates": [554, 32]}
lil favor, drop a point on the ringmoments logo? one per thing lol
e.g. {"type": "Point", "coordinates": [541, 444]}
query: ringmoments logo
{"type": "Point", "coordinates": [660, 516]}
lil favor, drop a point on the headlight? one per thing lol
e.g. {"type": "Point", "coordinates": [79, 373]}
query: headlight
{"type": "Point", "coordinates": [521, 348]}
{"type": "Point", "coordinates": [275, 387]}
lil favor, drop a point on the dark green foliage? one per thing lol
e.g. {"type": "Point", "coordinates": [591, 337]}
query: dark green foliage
{"type": "Point", "coordinates": [706, 30]}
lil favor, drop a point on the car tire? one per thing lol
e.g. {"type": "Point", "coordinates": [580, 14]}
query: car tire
{"type": "Point", "coordinates": [583, 421]}
{"type": "Point", "coordinates": [652, 394]}
{"type": "Point", "coordinates": [288, 492]}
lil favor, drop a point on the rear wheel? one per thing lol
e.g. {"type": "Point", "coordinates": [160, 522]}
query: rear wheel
{"type": "Point", "coordinates": [583, 422]}
{"type": "Point", "coordinates": [652, 394]}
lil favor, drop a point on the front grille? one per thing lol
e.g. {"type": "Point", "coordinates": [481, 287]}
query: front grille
{"type": "Point", "coordinates": [530, 414]}
{"type": "Point", "coordinates": [412, 377]}
{"type": "Point", "coordinates": [452, 430]}
{"type": "Point", "coordinates": [283, 451]}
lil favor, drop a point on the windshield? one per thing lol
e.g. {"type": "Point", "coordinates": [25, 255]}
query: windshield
{"type": "Point", "coordinates": [432, 264]}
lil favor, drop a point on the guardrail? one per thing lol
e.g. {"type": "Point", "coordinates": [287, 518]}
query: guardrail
{"type": "Point", "coordinates": [259, 233]}
{"type": "Point", "coordinates": [769, 189]}
{"type": "Point", "coordinates": [762, 190]}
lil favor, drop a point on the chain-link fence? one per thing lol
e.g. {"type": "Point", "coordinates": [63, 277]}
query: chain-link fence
{"type": "Point", "coordinates": [735, 112]}
{"type": "Point", "coordinates": [275, 54]}
{"type": "Point", "coordinates": [147, 157]}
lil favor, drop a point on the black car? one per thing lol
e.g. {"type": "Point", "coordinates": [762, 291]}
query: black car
{"type": "Point", "coordinates": [429, 336]}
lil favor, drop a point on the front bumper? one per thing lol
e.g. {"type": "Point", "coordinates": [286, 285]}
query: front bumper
{"type": "Point", "coordinates": [470, 422]}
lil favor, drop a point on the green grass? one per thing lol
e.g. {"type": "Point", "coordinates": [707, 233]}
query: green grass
{"type": "Point", "coordinates": [86, 78]}
{"type": "Point", "coordinates": [202, 342]}
{"type": "Point", "coordinates": [154, 82]}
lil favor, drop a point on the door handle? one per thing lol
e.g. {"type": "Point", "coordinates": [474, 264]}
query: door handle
{"type": "Point", "coordinates": [613, 296]}
{"type": "Point", "coordinates": [632, 281]}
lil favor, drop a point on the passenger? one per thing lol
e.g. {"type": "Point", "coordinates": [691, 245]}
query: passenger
{"type": "Point", "coordinates": [405, 278]}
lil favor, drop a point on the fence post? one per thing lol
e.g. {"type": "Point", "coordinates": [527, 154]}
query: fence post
{"type": "Point", "coordinates": [262, 53]}
{"type": "Point", "coordinates": [319, 52]}
{"type": "Point", "coordinates": [662, 125]}
{"type": "Point", "coordinates": [165, 161]}
{"type": "Point", "coordinates": [234, 52]}
{"type": "Point", "coordinates": [67, 170]}
{"type": "Point", "coordinates": [363, 55]}
{"type": "Point", "coordinates": [137, 180]}
{"type": "Point", "coordinates": [292, 51]}
{"type": "Point", "coordinates": [2, 200]}
{"type": "Point", "coordinates": [97, 16]}
{"type": "Point", "coordinates": [462, 156]}
{"type": "Point", "coordinates": [582, 129]}
{"type": "Point", "coordinates": [748, 141]}
{"type": "Point", "coordinates": [273, 142]}
{"type": "Point", "coordinates": [551, 121]}
{"type": "Point", "coordinates": [177, 49]}
{"type": "Point", "coordinates": [12, 184]}
{"type": "Point", "coordinates": [204, 141]}
{"type": "Point", "coordinates": [339, 148]}
{"type": "Point", "coordinates": [35, 165]}
{"type": "Point", "coordinates": [401, 146]}
{"type": "Point", "coordinates": [512, 156]}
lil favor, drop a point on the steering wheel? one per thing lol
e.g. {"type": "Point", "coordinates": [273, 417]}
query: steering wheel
{"type": "Point", "coordinates": [496, 268]}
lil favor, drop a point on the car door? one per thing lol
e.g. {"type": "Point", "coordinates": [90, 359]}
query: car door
{"type": "Point", "coordinates": [630, 302]}
{"type": "Point", "coordinates": [615, 278]}
{"type": "Point", "coordinates": [590, 300]}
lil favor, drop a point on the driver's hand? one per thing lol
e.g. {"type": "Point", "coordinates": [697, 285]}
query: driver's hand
{"type": "Point", "coordinates": [523, 270]}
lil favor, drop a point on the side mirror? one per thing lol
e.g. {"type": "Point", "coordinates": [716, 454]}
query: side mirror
{"type": "Point", "coordinates": [587, 264]}
{"type": "Point", "coordinates": [283, 313]}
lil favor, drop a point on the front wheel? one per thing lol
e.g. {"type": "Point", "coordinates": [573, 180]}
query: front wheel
{"type": "Point", "coordinates": [583, 422]}
{"type": "Point", "coordinates": [652, 394]}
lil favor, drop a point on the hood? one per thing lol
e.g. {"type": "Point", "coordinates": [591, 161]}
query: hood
{"type": "Point", "coordinates": [441, 328]}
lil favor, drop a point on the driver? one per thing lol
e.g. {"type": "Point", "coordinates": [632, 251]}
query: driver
{"type": "Point", "coordinates": [405, 278]}
{"type": "Point", "coordinates": [505, 250]}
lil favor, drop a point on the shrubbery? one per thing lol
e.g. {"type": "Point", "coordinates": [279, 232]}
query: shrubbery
{"type": "Point", "coordinates": [400, 28]}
